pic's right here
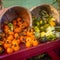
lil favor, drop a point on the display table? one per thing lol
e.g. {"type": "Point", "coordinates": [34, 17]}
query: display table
{"type": "Point", "coordinates": [26, 53]}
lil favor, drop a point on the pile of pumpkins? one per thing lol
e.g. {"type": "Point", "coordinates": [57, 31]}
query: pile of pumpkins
{"type": "Point", "coordinates": [15, 33]}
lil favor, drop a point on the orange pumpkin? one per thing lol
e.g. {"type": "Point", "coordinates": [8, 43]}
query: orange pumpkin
{"type": "Point", "coordinates": [18, 40]}
{"type": "Point", "coordinates": [16, 35]}
{"type": "Point", "coordinates": [8, 41]}
{"type": "Point", "coordinates": [28, 39]}
{"type": "Point", "coordinates": [6, 30]}
{"type": "Point", "coordinates": [9, 50]}
{"type": "Point", "coordinates": [11, 33]}
{"type": "Point", "coordinates": [22, 39]}
{"type": "Point", "coordinates": [28, 45]}
{"type": "Point", "coordinates": [34, 42]}
{"type": "Point", "coordinates": [17, 30]}
{"type": "Point", "coordinates": [29, 32]}
{"type": "Point", "coordinates": [18, 19]}
{"type": "Point", "coordinates": [6, 27]}
{"type": "Point", "coordinates": [10, 37]}
{"type": "Point", "coordinates": [16, 47]}
{"type": "Point", "coordinates": [6, 45]}
{"type": "Point", "coordinates": [32, 37]}
{"type": "Point", "coordinates": [15, 42]}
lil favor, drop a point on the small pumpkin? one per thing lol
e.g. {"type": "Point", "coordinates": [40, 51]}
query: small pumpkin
{"type": "Point", "coordinates": [6, 45]}
{"type": "Point", "coordinates": [18, 19]}
{"type": "Point", "coordinates": [16, 47]}
{"type": "Point", "coordinates": [10, 37]}
{"type": "Point", "coordinates": [9, 50]}
{"type": "Point", "coordinates": [34, 42]}
{"type": "Point", "coordinates": [28, 44]}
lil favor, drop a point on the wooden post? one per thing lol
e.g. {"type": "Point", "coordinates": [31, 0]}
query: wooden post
{"type": "Point", "coordinates": [1, 4]}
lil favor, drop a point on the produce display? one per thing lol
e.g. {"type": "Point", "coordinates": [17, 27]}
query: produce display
{"type": "Point", "coordinates": [14, 33]}
{"type": "Point", "coordinates": [44, 26]}
{"type": "Point", "coordinates": [18, 31]}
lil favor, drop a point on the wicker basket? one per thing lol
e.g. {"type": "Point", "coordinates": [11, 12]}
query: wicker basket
{"type": "Point", "coordinates": [13, 12]}
{"type": "Point", "coordinates": [49, 8]}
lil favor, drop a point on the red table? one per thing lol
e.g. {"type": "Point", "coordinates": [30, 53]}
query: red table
{"type": "Point", "coordinates": [33, 51]}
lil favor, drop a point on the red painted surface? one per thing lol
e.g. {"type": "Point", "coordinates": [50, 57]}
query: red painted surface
{"type": "Point", "coordinates": [33, 51]}
{"type": "Point", "coordinates": [53, 55]}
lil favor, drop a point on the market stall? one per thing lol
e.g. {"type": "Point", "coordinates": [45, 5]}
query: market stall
{"type": "Point", "coordinates": [27, 33]}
